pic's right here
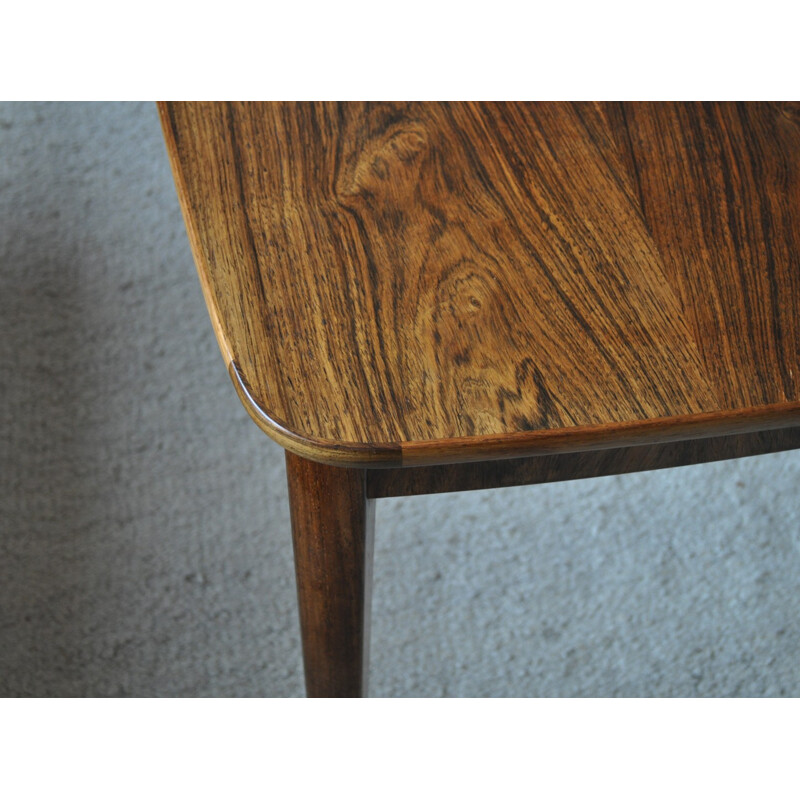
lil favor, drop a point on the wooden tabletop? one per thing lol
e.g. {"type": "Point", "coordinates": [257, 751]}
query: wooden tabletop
{"type": "Point", "coordinates": [411, 283]}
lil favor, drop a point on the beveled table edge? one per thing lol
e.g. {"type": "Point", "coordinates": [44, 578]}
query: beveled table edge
{"type": "Point", "coordinates": [465, 449]}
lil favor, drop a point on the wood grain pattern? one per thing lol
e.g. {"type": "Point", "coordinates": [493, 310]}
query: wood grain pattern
{"type": "Point", "coordinates": [719, 188]}
{"type": "Point", "coordinates": [332, 530]}
{"type": "Point", "coordinates": [402, 283]}
{"type": "Point", "coordinates": [547, 441]}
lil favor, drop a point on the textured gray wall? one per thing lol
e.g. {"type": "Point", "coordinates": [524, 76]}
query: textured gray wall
{"type": "Point", "coordinates": [144, 544]}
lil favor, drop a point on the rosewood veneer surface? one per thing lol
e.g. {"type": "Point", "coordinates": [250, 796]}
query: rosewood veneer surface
{"type": "Point", "coordinates": [428, 283]}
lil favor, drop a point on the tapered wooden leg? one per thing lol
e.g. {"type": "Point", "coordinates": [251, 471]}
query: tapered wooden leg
{"type": "Point", "coordinates": [332, 530]}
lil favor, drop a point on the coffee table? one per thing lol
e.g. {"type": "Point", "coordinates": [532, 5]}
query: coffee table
{"type": "Point", "coordinates": [431, 297]}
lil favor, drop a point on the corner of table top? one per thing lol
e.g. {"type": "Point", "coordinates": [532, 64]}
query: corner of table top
{"type": "Point", "coordinates": [546, 441]}
{"type": "Point", "coordinates": [326, 451]}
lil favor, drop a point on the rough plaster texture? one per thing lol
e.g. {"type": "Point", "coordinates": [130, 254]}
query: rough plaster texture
{"type": "Point", "coordinates": [144, 544]}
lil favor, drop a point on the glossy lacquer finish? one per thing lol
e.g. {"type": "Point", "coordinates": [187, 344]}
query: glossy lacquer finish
{"type": "Point", "coordinates": [403, 283]}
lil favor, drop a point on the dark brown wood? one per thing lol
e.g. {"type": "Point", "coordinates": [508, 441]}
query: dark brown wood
{"type": "Point", "coordinates": [423, 283]}
{"type": "Point", "coordinates": [406, 481]}
{"type": "Point", "coordinates": [332, 529]}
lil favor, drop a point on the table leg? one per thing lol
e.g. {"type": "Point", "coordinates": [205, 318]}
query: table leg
{"type": "Point", "coordinates": [332, 530]}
